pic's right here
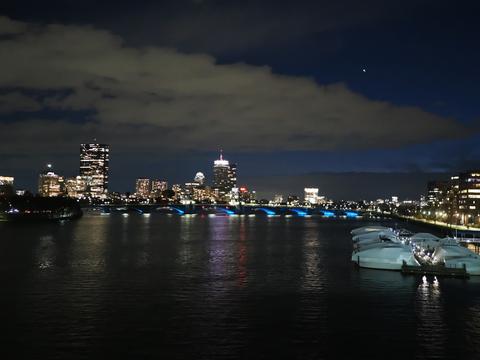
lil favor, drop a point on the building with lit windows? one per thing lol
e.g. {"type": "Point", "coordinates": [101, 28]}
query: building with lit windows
{"type": "Point", "coordinates": [6, 185]}
{"type": "Point", "coordinates": [224, 178]}
{"type": "Point", "coordinates": [6, 180]}
{"type": "Point", "coordinates": [51, 184]}
{"type": "Point", "coordinates": [94, 163]}
{"type": "Point", "coordinates": [469, 196]}
{"type": "Point", "coordinates": [199, 178]}
{"type": "Point", "coordinates": [277, 199]}
{"type": "Point", "coordinates": [142, 188]}
{"type": "Point", "coordinates": [232, 176]}
{"type": "Point", "coordinates": [311, 196]}
{"type": "Point", "coordinates": [158, 187]}
{"type": "Point", "coordinates": [437, 192]}
{"type": "Point", "coordinates": [76, 187]}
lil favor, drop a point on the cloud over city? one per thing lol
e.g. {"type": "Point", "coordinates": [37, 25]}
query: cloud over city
{"type": "Point", "coordinates": [73, 83]}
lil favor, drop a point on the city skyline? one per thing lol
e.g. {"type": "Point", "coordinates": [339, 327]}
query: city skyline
{"type": "Point", "coordinates": [324, 181]}
{"type": "Point", "coordinates": [338, 89]}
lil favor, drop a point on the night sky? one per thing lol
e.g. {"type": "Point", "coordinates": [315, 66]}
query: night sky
{"type": "Point", "coordinates": [306, 91]}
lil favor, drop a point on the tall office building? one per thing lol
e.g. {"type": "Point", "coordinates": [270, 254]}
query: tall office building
{"type": "Point", "coordinates": [94, 159]}
{"type": "Point", "coordinates": [232, 176]}
{"type": "Point", "coordinates": [469, 196]}
{"type": "Point", "coordinates": [142, 188]}
{"type": "Point", "coordinates": [224, 176]}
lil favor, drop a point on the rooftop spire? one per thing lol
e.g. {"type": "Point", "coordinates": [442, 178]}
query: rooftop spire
{"type": "Point", "coordinates": [221, 154]}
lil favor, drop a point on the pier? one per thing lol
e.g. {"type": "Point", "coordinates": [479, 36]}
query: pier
{"type": "Point", "coordinates": [439, 270]}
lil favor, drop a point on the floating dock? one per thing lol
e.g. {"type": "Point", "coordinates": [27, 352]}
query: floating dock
{"type": "Point", "coordinates": [439, 270]}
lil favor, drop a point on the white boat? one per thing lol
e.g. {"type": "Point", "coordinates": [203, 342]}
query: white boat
{"type": "Point", "coordinates": [367, 229]}
{"type": "Point", "coordinates": [374, 236]}
{"type": "Point", "coordinates": [386, 255]}
{"type": "Point", "coordinates": [426, 241]}
{"type": "Point", "coordinates": [454, 255]}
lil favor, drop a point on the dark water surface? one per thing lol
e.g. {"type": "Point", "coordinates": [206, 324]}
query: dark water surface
{"type": "Point", "coordinates": [170, 287]}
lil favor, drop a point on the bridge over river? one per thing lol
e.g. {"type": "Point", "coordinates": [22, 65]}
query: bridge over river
{"type": "Point", "coordinates": [227, 210]}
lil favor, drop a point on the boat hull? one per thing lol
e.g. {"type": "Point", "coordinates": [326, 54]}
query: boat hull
{"type": "Point", "coordinates": [384, 259]}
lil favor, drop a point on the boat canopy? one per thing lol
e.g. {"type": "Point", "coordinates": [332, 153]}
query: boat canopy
{"type": "Point", "coordinates": [367, 229]}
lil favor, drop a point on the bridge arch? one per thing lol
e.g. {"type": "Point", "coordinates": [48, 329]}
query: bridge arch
{"type": "Point", "coordinates": [226, 211]}
{"type": "Point", "coordinates": [328, 213]}
{"type": "Point", "coordinates": [266, 211]}
{"type": "Point", "coordinates": [172, 208]}
{"type": "Point", "coordinates": [351, 214]}
{"type": "Point", "coordinates": [299, 212]}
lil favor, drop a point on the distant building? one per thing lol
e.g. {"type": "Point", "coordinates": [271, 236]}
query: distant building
{"type": "Point", "coordinates": [51, 184]}
{"type": "Point", "coordinates": [293, 200]}
{"type": "Point", "coordinates": [311, 196]}
{"type": "Point", "coordinates": [6, 185]}
{"type": "Point", "coordinates": [177, 189]}
{"type": "Point", "coordinates": [469, 196]}
{"type": "Point", "coordinates": [224, 177]}
{"type": "Point", "coordinates": [158, 187]}
{"type": "Point", "coordinates": [278, 199]}
{"type": "Point", "coordinates": [142, 188]}
{"type": "Point", "coordinates": [6, 180]}
{"type": "Point", "coordinates": [76, 187]}
{"type": "Point", "coordinates": [232, 176]}
{"type": "Point", "coordinates": [436, 192]}
{"type": "Point", "coordinates": [199, 178]}
{"type": "Point", "coordinates": [94, 166]}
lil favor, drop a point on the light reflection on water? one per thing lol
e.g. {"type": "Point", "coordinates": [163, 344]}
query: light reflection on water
{"type": "Point", "coordinates": [431, 329]}
{"type": "Point", "coordinates": [231, 287]}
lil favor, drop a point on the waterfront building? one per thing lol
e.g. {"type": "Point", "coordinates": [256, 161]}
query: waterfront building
{"type": "Point", "coordinates": [189, 190]}
{"type": "Point", "coordinates": [178, 191]}
{"type": "Point", "coordinates": [6, 180]}
{"type": "Point", "coordinates": [142, 188]}
{"type": "Point", "coordinates": [244, 194]}
{"type": "Point", "coordinates": [311, 196]}
{"type": "Point", "coordinates": [94, 166]}
{"type": "Point", "coordinates": [436, 193]}
{"type": "Point", "coordinates": [469, 196]}
{"type": "Point", "coordinates": [51, 184]}
{"type": "Point", "coordinates": [6, 185]}
{"type": "Point", "coordinates": [76, 187]}
{"type": "Point", "coordinates": [293, 200]}
{"type": "Point", "coordinates": [158, 187]}
{"type": "Point", "coordinates": [277, 199]}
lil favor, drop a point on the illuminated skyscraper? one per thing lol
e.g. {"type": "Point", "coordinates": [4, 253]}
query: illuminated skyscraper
{"type": "Point", "coordinates": [142, 188]}
{"type": "Point", "coordinates": [222, 176]}
{"type": "Point", "coordinates": [94, 159]}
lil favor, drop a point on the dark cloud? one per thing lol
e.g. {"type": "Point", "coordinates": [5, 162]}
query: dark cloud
{"type": "Point", "coordinates": [158, 98]}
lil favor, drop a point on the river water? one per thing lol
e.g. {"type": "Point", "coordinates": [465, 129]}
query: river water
{"type": "Point", "coordinates": [171, 287]}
